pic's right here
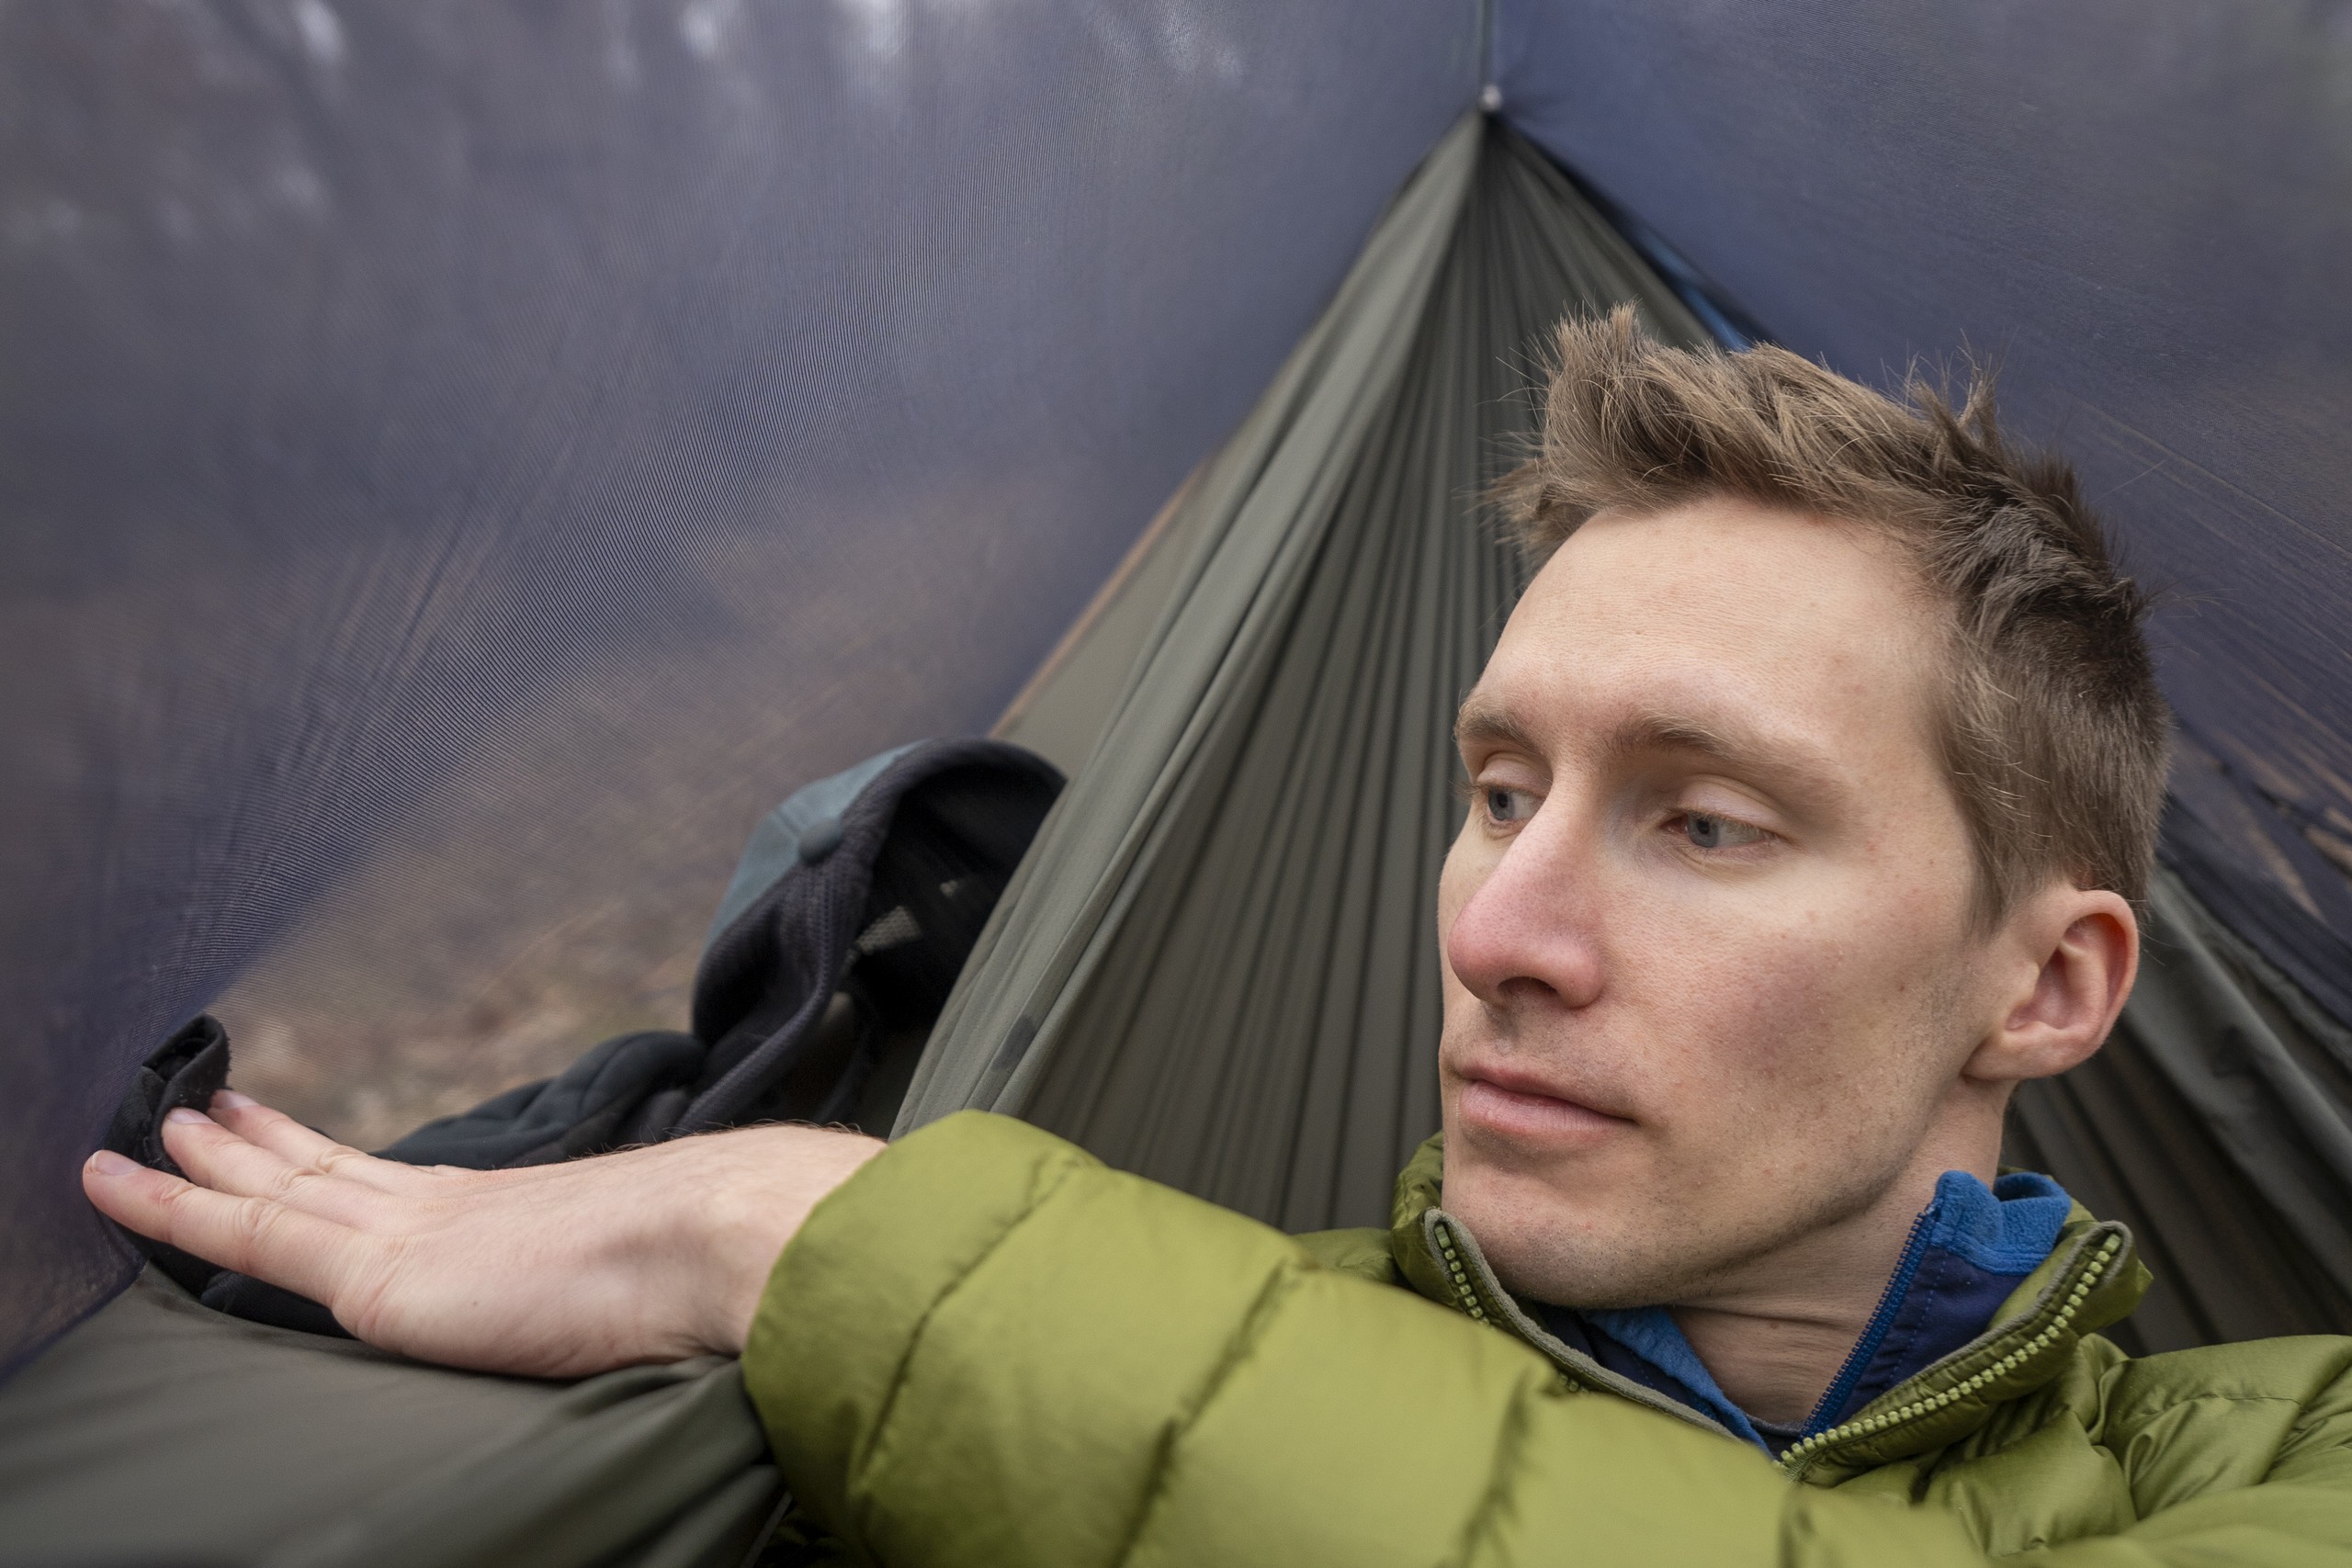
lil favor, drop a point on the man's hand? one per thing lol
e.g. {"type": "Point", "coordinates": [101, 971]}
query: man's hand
{"type": "Point", "coordinates": [556, 1270]}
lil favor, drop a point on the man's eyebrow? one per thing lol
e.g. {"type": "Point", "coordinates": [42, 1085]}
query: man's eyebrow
{"type": "Point", "coordinates": [1741, 750]}
{"type": "Point", "coordinates": [1486, 723]}
{"type": "Point", "coordinates": [1482, 719]}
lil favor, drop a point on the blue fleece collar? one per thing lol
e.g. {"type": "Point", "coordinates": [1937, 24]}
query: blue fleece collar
{"type": "Point", "coordinates": [1967, 1251]}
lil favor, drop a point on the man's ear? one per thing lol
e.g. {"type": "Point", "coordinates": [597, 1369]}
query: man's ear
{"type": "Point", "coordinates": [2074, 953]}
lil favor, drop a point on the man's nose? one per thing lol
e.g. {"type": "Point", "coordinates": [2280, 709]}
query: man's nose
{"type": "Point", "coordinates": [1528, 934]}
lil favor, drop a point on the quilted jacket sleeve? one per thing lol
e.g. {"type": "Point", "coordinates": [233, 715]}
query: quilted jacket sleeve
{"type": "Point", "coordinates": [988, 1348]}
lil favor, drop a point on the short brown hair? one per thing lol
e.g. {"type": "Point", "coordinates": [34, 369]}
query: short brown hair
{"type": "Point", "coordinates": [2054, 733]}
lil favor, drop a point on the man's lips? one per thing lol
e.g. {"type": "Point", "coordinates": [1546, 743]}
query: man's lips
{"type": "Point", "coordinates": [1523, 1108]}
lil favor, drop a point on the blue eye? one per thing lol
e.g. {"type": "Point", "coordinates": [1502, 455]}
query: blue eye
{"type": "Point", "coordinates": [1711, 832]}
{"type": "Point", "coordinates": [1507, 805]}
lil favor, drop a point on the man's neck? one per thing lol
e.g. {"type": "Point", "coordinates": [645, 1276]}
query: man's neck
{"type": "Point", "coordinates": [1774, 1365]}
{"type": "Point", "coordinates": [1775, 1338]}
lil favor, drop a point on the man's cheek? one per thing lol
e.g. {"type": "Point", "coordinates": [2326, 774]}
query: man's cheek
{"type": "Point", "coordinates": [1775, 1001]}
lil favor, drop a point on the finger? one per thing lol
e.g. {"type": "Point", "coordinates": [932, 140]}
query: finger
{"type": "Point", "coordinates": [217, 1159]}
{"type": "Point", "coordinates": [302, 1147]}
{"type": "Point", "coordinates": [253, 1235]}
{"type": "Point", "coordinates": [273, 1129]}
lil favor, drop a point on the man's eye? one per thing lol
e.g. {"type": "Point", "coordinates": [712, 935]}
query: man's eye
{"type": "Point", "coordinates": [1507, 805]}
{"type": "Point", "coordinates": [1711, 832]}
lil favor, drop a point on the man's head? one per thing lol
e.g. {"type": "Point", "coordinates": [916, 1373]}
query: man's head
{"type": "Point", "coordinates": [1812, 781]}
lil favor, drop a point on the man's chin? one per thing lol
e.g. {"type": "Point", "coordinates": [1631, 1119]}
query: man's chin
{"type": "Point", "coordinates": [1569, 1251]}
{"type": "Point", "coordinates": [1581, 1273]}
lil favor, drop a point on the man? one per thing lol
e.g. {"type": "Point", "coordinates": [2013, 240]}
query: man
{"type": "Point", "coordinates": [1811, 785]}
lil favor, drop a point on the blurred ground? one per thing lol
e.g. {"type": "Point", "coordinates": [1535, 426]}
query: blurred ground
{"type": "Point", "coordinates": [367, 1052]}
{"type": "Point", "coordinates": [441, 974]}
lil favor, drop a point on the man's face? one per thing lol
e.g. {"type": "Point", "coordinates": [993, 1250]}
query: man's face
{"type": "Point", "coordinates": [1709, 961]}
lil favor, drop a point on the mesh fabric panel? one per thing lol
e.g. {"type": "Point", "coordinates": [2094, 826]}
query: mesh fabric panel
{"type": "Point", "coordinates": [463, 463]}
{"type": "Point", "coordinates": [2139, 213]}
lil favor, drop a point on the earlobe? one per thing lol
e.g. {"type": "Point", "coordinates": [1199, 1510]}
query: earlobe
{"type": "Point", "coordinates": [2087, 944]}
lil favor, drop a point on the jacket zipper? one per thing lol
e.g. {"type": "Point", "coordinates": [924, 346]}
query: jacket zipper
{"type": "Point", "coordinates": [1875, 1329]}
{"type": "Point", "coordinates": [1803, 1453]}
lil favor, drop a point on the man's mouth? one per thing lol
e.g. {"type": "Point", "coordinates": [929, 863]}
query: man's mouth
{"type": "Point", "coordinates": [1522, 1108]}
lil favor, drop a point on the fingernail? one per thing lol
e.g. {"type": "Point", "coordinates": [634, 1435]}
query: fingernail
{"type": "Point", "coordinates": [183, 1113]}
{"type": "Point", "coordinates": [106, 1162]}
{"type": "Point", "coordinates": [229, 1098]}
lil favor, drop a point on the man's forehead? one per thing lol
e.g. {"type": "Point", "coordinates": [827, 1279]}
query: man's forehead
{"type": "Point", "coordinates": [1738, 564]}
{"type": "Point", "coordinates": [1720, 627]}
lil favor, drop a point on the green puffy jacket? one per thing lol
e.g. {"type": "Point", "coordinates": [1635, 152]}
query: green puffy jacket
{"type": "Point", "coordinates": [987, 1347]}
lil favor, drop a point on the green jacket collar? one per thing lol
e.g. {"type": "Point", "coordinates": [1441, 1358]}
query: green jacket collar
{"type": "Point", "coordinates": [2092, 1278]}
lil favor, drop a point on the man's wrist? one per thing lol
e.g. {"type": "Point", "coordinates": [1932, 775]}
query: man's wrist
{"type": "Point", "coordinates": [766, 1184]}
